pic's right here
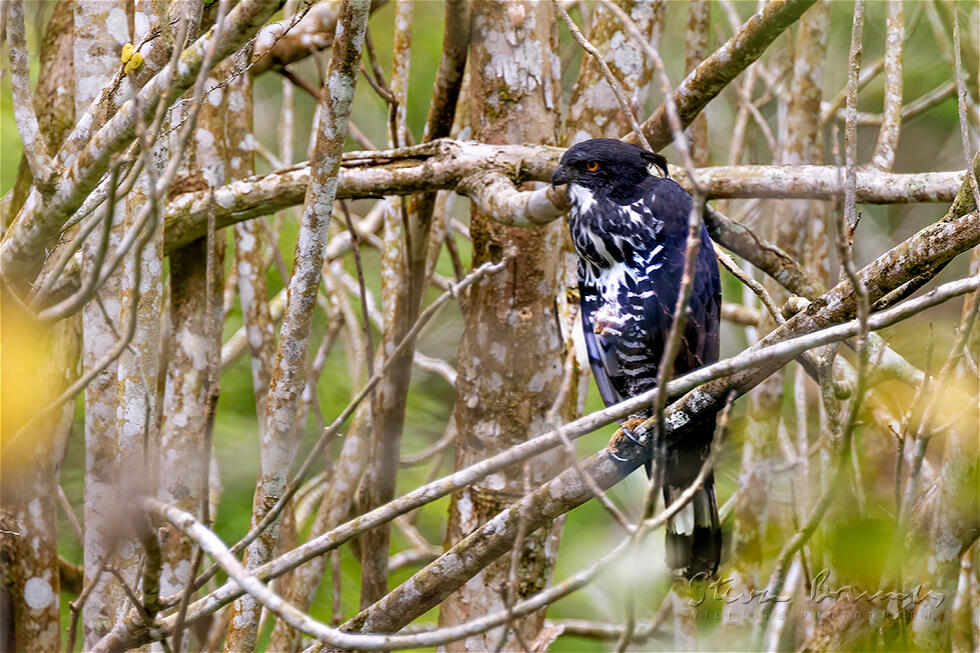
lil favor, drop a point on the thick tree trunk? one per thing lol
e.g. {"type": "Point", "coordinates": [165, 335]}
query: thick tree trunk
{"type": "Point", "coordinates": [29, 476]}
{"type": "Point", "coordinates": [510, 343]}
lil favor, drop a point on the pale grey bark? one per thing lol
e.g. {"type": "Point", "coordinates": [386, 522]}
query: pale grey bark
{"type": "Point", "coordinates": [459, 165]}
{"type": "Point", "coordinates": [29, 485]}
{"type": "Point", "coordinates": [95, 48]}
{"type": "Point", "coordinates": [38, 223]}
{"type": "Point", "coordinates": [189, 391]}
{"type": "Point", "coordinates": [509, 342]}
{"type": "Point", "coordinates": [289, 374]}
{"type": "Point", "coordinates": [137, 369]}
{"type": "Point", "coordinates": [401, 291]}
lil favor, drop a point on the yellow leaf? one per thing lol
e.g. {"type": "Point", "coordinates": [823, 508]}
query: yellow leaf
{"type": "Point", "coordinates": [134, 63]}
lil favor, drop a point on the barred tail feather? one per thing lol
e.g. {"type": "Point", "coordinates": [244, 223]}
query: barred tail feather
{"type": "Point", "coordinates": [694, 534]}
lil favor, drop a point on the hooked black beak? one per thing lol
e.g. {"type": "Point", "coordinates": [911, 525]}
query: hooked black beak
{"type": "Point", "coordinates": [562, 175]}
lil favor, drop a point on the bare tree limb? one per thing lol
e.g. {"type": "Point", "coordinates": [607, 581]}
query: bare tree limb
{"type": "Point", "coordinates": [289, 373]}
{"type": "Point", "coordinates": [39, 221]}
{"type": "Point", "coordinates": [401, 290]}
{"type": "Point", "coordinates": [282, 43]}
{"type": "Point", "coordinates": [465, 167]}
{"type": "Point", "coordinates": [726, 63]}
{"type": "Point", "coordinates": [891, 122]}
{"type": "Point", "coordinates": [932, 246]}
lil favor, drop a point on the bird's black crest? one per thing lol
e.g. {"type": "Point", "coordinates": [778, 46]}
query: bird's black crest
{"type": "Point", "coordinates": [609, 167]}
{"type": "Point", "coordinates": [612, 150]}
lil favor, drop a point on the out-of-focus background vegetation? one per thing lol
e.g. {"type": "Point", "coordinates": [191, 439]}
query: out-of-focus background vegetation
{"type": "Point", "coordinates": [929, 142]}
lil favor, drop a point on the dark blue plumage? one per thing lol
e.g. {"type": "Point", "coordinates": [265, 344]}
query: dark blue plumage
{"type": "Point", "coordinates": [629, 228]}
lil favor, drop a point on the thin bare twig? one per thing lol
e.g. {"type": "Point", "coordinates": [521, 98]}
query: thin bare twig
{"type": "Point", "coordinates": [510, 590]}
{"type": "Point", "coordinates": [607, 74]}
{"type": "Point", "coordinates": [554, 422]}
{"type": "Point", "coordinates": [76, 606]}
{"type": "Point", "coordinates": [448, 437]}
{"type": "Point", "coordinates": [365, 321]}
{"type": "Point", "coordinates": [891, 122]}
{"type": "Point", "coordinates": [76, 527]}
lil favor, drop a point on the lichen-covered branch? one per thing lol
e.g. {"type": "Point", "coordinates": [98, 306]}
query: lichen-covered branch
{"type": "Point", "coordinates": [289, 373]}
{"type": "Point", "coordinates": [592, 109]}
{"type": "Point", "coordinates": [466, 166]}
{"type": "Point", "coordinates": [55, 92]}
{"type": "Point", "coordinates": [25, 118]}
{"type": "Point", "coordinates": [428, 587]}
{"type": "Point", "coordinates": [612, 83]}
{"type": "Point", "coordinates": [746, 363]}
{"type": "Point", "coordinates": [401, 292]}
{"type": "Point", "coordinates": [697, 41]}
{"type": "Point", "coordinates": [93, 48]}
{"type": "Point", "coordinates": [29, 566]}
{"type": "Point", "coordinates": [38, 224]}
{"type": "Point", "coordinates": [891, 117]}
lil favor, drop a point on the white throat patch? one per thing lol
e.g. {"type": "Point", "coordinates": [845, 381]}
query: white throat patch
{"type": "Point", "coordinates": [581, 197]}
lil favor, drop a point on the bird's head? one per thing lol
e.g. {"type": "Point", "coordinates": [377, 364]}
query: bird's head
{"type": "Point", "coordinates": [606, 166]}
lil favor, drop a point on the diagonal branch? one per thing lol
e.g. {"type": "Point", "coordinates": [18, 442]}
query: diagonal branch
{"type": "Point", "coordinates": [725, 64]}
{"type": "Point", "coordinates": [429, 586]}
{"type": "Point", "coordinates": [37, 226]}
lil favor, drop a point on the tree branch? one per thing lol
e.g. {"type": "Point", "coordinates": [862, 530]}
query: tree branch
{"type": "Point", "coordinates": [289, 373]}
{"type": "Point", "coordinates": [724, 65]}
{"type": "Point", "coordinates": [927, 250]}
{"type": "Point", "coordinates": [38, 224]}
{"type": "Point", "coordinates": [467, 166]}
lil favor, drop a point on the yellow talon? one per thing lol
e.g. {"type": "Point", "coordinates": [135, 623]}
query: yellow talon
{"type": "Point", "coordinates": [127, 52]}
{"type": "Point", "coordinates": [134, 63]}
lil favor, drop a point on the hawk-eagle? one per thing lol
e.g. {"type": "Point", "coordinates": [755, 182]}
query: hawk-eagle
{"type": "Point", "coordinates": [629, 228]}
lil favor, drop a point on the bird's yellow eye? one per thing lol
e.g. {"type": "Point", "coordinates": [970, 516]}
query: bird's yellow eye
{"type": "Point", "coordinates": [592, 166]}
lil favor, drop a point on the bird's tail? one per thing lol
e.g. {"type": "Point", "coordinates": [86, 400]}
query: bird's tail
{"type": "Point", "coordinates": [693, 539]}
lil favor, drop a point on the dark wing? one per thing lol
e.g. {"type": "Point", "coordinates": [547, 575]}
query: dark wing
{"type": "Point", "coordinates": [604, 365]}
{"type": "Point", "coordinates": [701, 342]}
